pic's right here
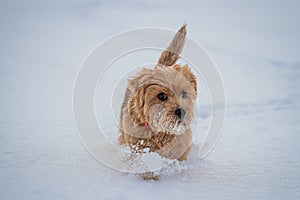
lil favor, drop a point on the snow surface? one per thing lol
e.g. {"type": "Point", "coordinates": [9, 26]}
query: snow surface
{"type": "Point", "coordinates": [256, 47]}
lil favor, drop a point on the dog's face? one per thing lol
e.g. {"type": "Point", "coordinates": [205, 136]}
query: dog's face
{"type": "Point", "coordinates": [163, 98]}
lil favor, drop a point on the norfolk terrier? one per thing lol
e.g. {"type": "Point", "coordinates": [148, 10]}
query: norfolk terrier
{"type": "Point", "coordinates": [158, 106]}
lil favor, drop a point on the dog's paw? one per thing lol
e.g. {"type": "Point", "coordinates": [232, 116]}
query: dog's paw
{"type": "Point", "coordinates": [149, 176]}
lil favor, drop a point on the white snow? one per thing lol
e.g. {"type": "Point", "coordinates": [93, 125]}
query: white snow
{"type": "Point", "coordinates": [255, 46]}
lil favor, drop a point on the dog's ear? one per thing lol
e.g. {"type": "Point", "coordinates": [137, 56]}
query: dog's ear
{"type": "Point", "coordinates": [171, 54]}
{"type": "Point", "coordinates": [187, 73]}
{"type": "Point", "coordinates": [136, 106]}
{"type": "Point", "coordinates": [137, 88]}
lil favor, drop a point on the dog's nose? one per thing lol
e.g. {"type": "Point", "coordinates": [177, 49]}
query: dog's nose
{"type": "Point", "coordinates": [179, 112]}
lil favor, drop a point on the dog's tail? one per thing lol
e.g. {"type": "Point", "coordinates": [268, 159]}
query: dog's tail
{"type": "Point", "coordinates": [171, 54]}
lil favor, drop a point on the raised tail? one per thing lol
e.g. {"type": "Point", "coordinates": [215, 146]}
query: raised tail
{"type": "Point", "coordinates": [171, 54]}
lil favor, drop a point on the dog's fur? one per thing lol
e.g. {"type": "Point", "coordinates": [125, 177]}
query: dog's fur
{"type": "Point", "coordinates": [149, 122]}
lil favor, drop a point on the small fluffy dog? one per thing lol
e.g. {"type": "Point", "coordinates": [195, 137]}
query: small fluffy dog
{"type": "Point", "coordinates": [158, 106]}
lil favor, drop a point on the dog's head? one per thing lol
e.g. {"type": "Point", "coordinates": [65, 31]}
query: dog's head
{"type": "Point", "coordinates": [163, 98]}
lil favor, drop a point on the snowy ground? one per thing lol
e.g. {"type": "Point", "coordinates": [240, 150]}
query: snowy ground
{"type": "Point", "coordinates": [256, 49]}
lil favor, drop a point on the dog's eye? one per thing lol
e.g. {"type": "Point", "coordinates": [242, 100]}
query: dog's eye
{"type": "Point", "coordinates": [162, 96]}
{"type": "Point", "coordinates": [184, 94]}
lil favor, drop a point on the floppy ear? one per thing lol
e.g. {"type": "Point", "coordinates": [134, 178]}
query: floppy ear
{"type": "Point", "coordinates": [187, 73]}
{"type": "Point", "coordinates": [136, 106]}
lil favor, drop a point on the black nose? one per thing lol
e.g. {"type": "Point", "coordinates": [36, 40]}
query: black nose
{"type": "Point", "coordinates": [179, 112]}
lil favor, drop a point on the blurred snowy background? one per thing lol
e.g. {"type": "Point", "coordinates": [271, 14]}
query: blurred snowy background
{"type": "Point", "coordinates": [255, 45]}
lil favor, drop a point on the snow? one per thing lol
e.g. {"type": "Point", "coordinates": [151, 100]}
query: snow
{"type": "Point", "coordinates": [255, 47]}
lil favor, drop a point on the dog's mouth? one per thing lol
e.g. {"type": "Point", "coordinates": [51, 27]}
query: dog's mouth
{"type": "Point", "coordinates": [178, 128]}
{"type": "Point", "coordinates": [161, 121]}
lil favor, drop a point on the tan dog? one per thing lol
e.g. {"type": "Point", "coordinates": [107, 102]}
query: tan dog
{"type": "Point", "coordinates": [158, 106]}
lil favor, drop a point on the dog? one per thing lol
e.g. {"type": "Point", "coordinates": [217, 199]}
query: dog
{"type": "Point", "coordinates": [158, 106]}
